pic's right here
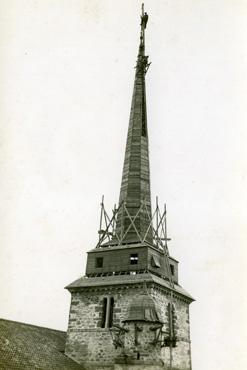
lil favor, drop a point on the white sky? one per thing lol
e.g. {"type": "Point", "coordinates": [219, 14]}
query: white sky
{"type": "Point", "coordinates": [66, 81]}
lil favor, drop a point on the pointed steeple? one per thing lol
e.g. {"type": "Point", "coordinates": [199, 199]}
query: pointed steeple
{"type": "Point", "coordinates": [135, 195]}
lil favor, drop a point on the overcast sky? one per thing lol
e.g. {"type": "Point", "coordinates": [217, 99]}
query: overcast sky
{"type": "Point", "coordinates": [66, 78]}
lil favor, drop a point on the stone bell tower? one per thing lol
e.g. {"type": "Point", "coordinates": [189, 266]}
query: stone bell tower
{"type": "Point", "coordinates": [129, 310]}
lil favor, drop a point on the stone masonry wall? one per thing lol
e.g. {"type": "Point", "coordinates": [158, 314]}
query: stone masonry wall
{"type": "Point", "coordinates": [91, 345]}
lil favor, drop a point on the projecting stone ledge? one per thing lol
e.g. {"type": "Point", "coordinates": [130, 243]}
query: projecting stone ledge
{"type": "Point", "coordinates": [145, 278]}
{"type": "Point", "coordinates": [141, 367]}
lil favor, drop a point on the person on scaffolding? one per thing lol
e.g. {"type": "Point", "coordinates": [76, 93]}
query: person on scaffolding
{"type": "Point", "coordinates": [144, 20]}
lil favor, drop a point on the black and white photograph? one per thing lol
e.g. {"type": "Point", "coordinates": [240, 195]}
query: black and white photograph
{"type": "Point", "coordinates": [123, 184]}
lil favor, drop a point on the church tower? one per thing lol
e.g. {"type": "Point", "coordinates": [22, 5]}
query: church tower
{"type": "Point", "coordinates": [129, 310]}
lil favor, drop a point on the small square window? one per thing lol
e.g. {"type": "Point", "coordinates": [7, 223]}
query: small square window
{"type": "Point", "coordinates": [99, 262]}
{"type": "Point", "coordinates": [134, 259]}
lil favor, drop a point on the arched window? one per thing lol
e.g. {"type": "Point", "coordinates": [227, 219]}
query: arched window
{"type": "Point", "coordinates": [103, 322]}
{"type": "Point", "coordinates": [171, 340]}
{"type": "Point", "coordinates": [111, 312]}
{"type": "Point", "coordinates": [107, 312]}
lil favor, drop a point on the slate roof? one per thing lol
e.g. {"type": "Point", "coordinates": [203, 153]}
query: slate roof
{"type": "Point", "coordinates": [29, 347]}
{"type": "Point", "coordinates": [86, 282]}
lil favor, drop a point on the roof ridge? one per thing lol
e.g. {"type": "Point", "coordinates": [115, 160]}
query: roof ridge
{"type": "Point", "coordinates": [35, 326]}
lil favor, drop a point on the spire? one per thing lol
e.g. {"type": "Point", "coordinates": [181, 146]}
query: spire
{"type": "Point", "coordinates": [135, 195]}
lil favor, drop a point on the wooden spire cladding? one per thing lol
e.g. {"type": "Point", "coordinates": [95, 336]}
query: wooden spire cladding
{"type": "Point", "coordinates": [135, 187]}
